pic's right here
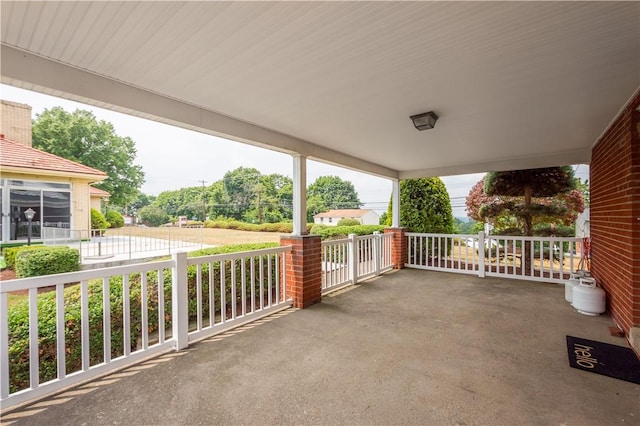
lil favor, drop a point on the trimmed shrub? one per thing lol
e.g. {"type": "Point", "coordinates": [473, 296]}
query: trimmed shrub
{"type": "Point", "coordinates": [19, 313]}
{"type": "Point", "coordinates": [46, 261]}
{"type": "Point", "coordinates": [11, 252]}
{"type": "Point", "coordinates": [284, 227]}
{"type": "Point", "coordinates": [338, 232]}
{"type": "Point", "coordinates": [348, 221]}
{"type": "Point", "coordinates": [115, 219]}
{"type": "Point", "coordinates": [97, 220]}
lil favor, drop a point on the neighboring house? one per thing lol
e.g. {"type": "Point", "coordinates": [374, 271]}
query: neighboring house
{"type": "Point", "coordinates": [57, 189]}
{"type": "Point", "coordinates": [331, 218]}
{"type": "Point", "coordinates": [99, 198]}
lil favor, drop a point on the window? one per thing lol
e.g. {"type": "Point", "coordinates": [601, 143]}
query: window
{"type": "Point", "coordinates": [51, 202]}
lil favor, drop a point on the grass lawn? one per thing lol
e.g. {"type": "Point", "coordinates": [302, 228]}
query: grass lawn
{"type": "Point", "coordinates": [212, 236]}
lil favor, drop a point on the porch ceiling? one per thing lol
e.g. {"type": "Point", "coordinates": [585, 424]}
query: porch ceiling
{"type": "Point", "coordinates": [516, 85]}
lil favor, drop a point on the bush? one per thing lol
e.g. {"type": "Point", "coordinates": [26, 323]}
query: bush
{"type": "Point", "coordinates": [338, 232]}
{"type": "Point", "coordinates": [284, 227]}
{"type": "Point", "coordinates": [153, 215]}
{"type": "Point", "coordinates": [115, 219]}
{"type": "Point", "coordinates": [11, 252]}
{"type": "Point", "coordinates": [97, 220]}
{"type": "Point", "coordinates": [347, 221]}
{"type": "Point", "coordinates": [19, 314]}
{"type": "Point", "coordinates": [46, 261]}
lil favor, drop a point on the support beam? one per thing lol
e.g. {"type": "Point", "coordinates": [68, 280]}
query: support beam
{"type": "Point", "coordinates": [300, 195]}
{"type": "Point", "coordinates": [395, 205]}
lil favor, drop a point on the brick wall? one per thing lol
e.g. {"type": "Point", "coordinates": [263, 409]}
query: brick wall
{"type": "Point", "coordinates": [304, 269]}
{"type": "Point", "coordinates": [615, 216]}
{"type": "Point", "coordinates": [399, 247]}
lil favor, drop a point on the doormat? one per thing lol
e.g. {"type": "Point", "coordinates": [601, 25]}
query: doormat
{"type": "Point", "coordinates": [602, 358]}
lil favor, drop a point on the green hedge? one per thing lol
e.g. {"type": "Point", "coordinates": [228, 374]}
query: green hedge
{"type": "Point", "coordinates": [19, 314]}
{"type": "Point", "coordinates": [11, 252]}
{"type": "Point", "coordinates": [337, 232]}
{"type": "Point", "coordinates": [115, 219]}
{"type": "Point", "coordinates": [283, 227]}
{"type": "Point", "coordinates": [46, 261]}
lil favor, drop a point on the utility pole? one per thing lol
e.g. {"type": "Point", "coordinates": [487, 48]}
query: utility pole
{"type": "Point", "coordinates": [204, 206]}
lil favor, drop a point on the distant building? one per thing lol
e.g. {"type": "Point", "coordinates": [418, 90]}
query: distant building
{"type": "Point", "coordinates": [331, 218]}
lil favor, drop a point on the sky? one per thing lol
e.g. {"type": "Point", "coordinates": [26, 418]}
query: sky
{"type": "Point", "coordinates": [174, 158]}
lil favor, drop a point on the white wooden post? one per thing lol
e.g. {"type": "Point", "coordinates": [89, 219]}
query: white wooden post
{"type": "Point", "coordinates": [353, 258]}
{"type": "Point", "coordinates": [481, 254]}
{"type": "Point", "coordinates": [395, 204]}
{"type": "Point", "coordinates": [180, 300]}
{"type": "Point", "coordinates": [377, 251]}
{"type": "Point", "coordinates": [299, 195]}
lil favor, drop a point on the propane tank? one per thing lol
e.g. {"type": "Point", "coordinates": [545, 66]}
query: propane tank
{"type": "Point", "coordinates": [574, 280]}
{"type": "Point", "coordinates": [588, 298]}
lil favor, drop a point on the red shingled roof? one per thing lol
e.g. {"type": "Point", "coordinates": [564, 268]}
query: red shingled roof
{"type": "Point", "coordinates": [13, 154]}
{"type": "Point", "coordinates": [97, 192]}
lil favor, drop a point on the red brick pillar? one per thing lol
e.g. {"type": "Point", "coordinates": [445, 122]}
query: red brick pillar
{"type": "Point", "coordinates": [303, 270]}
{"type": "Point", "coordinates": [399, 251]}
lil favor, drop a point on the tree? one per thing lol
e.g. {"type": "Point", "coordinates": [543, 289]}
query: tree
{"type": "Point", "coordinates": [80, 137]}
{"type": "Point", "coordinates": [153, 215]}
{"type": "Point", "coordinates": [330, 192]}
{"type": "Point", "coordinates": [535, 193]}
{"type": "Point", "coordinates": [241, 186]}
{"type": "Point", "coordinates": [424, 206]}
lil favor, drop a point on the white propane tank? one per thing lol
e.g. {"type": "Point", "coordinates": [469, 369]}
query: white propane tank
{"type": "Point", "coordinates": [589, 299]}
{"type": "Point", "coordinates": [573, 281]}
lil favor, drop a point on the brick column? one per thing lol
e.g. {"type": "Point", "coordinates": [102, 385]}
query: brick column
{"type": "Point", "coordinates": [304, 269]}
{"type": "Point", "coordinates": [399, 251]}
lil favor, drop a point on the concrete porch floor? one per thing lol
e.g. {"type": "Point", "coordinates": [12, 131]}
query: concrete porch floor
{"type": "Point", "coordinates": [410, 347]}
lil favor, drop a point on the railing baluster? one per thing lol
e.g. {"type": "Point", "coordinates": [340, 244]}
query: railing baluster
{"type": "Point", "coordinates": [223, 293]}
{"type": "Point", "coordinates": [212, 301]}
{"type": "Point", "coordinates": [269, 280]}
{"type": "Point", "coordinates": [33, 339]}
{"type": "Point", "coordinates": [161, 324]}
{"type": "Point", "coordinates": [277, 277]}
{"type": "Point", "coordinates": [199, 296]}
{"type": "Point", "coordinates": [106, 319]}
{"type": "Point", "coordinates": [234, 296]}
{"type": "Point", "coordinates": [253, 284]}
{"type": "Point", "coordinates": [60, 334]}
{"type": "Point", "coordinates": [261, 279]}
{"type": "Point", "coordinates": [84, 312]}
{"type": "Point", "coordinates": [126, 315]}
{"type": "Point", "coordinates": [4, 345]}
{"type": "Point", "coordinates": [243, 282]}
{"type": "Point", "coordinates": [145, 311]}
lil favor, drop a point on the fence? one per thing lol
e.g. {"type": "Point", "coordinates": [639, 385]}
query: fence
{"type": "Point", "coordinates": [548, 259]}
{"type": "Point", "coordinates": [83, 324]}
{"type": "Point", "coordinates": [361, 257]}
{"type": "Point", "coordinates": [124, 242]}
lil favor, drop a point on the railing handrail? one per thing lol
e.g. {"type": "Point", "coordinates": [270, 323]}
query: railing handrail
{"type": "Point", "coordinates": [237, 255]}
{"type": "Point", "coordinates": [495, 237]}
{"type": "Point", "coordinates": [90, 274]}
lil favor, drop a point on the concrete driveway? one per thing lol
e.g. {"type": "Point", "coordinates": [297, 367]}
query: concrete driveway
{"type": "Point", "coordinates": [410, 347]}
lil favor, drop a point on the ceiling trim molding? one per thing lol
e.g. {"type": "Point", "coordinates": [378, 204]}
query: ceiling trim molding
{"type": "Point", "coordinates": [33, 72]}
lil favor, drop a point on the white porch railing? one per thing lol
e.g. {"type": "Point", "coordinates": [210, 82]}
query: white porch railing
{"type": "Point", "coordinates": [548, 259]}
{"type": "Point", "coordinates": [128, 313]}
{"type": "Point", "coordinates": [353, 259]}
{"type": "Point", "coordinates": [106, 243]}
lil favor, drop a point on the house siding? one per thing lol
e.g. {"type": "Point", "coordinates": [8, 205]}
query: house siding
{"type": "Point", "coordinates": [615, 216]}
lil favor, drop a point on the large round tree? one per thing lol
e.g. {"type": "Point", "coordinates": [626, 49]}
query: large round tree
{"type": "Point", "coordinates": [80, 137]}
{"type": "Point", "coordinates": [424, 206]}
